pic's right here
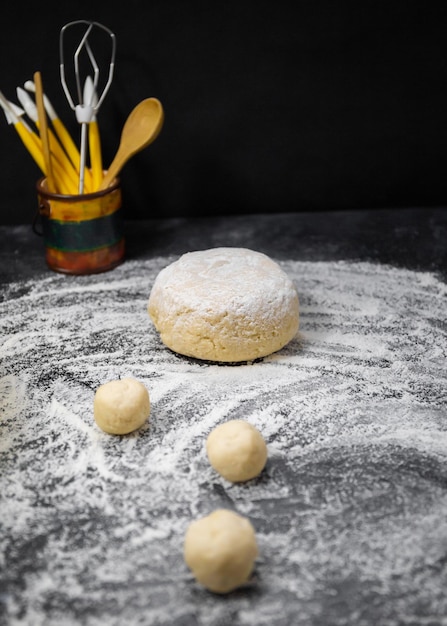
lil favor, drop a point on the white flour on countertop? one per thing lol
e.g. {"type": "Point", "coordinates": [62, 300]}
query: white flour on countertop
{"type": "Point", "coordinates": [352, 506]}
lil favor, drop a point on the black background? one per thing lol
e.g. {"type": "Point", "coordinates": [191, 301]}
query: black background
{"type": "Point", "coordinates": [270, 107]}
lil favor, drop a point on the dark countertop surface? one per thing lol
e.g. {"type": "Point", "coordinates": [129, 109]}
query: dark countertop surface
{"type": "Point", "coordinates": [413, 238]}
{"type": "Point", "coordinates": [351, 510]}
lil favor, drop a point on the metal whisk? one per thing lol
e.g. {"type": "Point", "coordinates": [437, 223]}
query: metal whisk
{"type": "Point", "coordinates": [85, 111]}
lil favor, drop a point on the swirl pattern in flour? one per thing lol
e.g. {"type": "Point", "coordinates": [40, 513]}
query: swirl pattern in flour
{"type": "Point", "coordinates": [350, 513]}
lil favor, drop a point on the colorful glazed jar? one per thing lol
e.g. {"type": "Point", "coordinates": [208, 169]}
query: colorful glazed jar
{"type": "Point", "coordinates": [82, 233]}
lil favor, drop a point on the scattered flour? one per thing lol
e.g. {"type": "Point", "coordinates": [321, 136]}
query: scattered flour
{"type": "Point", "coordinates": [352, 506]}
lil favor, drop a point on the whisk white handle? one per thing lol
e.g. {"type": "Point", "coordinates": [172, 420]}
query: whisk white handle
{"type": "Point", "coordinates": [84, 113]}
{"type": "Point", "coordinates": [83, 156]}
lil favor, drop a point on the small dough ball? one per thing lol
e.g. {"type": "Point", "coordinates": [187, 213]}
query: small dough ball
{"type": "Point", "coordinates": [236, 450]}
{"type": "Point", "coordinates": [220, 549]}
{"type": "Point", "coordinates": [224, 305]}
{"type": "Point", "coordinates": [121, 406]}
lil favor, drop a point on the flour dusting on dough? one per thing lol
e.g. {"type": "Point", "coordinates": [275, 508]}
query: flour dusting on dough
{"type": "Point", "coordinates": [224, 305]}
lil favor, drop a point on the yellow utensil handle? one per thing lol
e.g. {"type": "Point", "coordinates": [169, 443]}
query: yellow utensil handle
{"type": "Point", "coordinates": [33, 144]}
{"type": "Point", "coordinates": [72, 152]}
{"type": "Point", "coordinates": [95, 155]}
{"type": "Point", "coordinates": [43, 131]}
{"type": "Point", "coordinates": [67, 169]}
{"type": "Point", "coordinates": [30, 143]}
{"type": "Point", "coordinates": [67, 176]}
{"type": "Point", "coordinates": [67, 142]}
{"type": "Point", "coordinates": [64, 183]}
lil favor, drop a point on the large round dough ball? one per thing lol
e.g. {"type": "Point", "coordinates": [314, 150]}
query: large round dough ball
{"type": "Point", "coordinates": [236, 450]}
{"type": "Point", "coordinates": [121, 406]}
{"type": "Point", "coordinates": [225, 305]}
{"type": "Point", "coordinates": [220, 549]}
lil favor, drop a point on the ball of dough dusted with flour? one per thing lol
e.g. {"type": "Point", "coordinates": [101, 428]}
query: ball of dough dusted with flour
{"type": "Point", "coordinates": [121, 406]}
{"type": "Point", "coordinates": [225, 305]}
{"type": "Point", "coordinates": [221, 549]}
{"type": "Point", "coordinates": [236, 450]}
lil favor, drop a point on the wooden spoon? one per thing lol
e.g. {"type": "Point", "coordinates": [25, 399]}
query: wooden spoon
{"type": "Point", "coordinates": [141, 128]}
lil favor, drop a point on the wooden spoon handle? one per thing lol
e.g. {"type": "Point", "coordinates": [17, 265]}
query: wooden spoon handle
{"type": "Point", "coordinates": [116, 165]}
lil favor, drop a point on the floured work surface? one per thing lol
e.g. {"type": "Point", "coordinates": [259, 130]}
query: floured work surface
{"type": "Point", "coordinates": [350, 512]}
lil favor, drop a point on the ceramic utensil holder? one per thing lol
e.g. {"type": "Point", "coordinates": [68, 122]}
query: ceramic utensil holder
{"type": "Point", "coordinates": [82, 233]}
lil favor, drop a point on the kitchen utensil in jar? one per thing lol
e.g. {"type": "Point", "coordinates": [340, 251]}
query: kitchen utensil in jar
{"type": "Point", "coordinates": [64, 136]}
{"type": "Point", "coordinates": [85, 111]}
{"type": "Point", "coordinates": [29, 139]}
{"type": "Point", "coordinates": [65, 171]}
{"type": "Point", "coordinates": [94, 140]}
{"type": "Point", "coordinates": [140, 129]}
